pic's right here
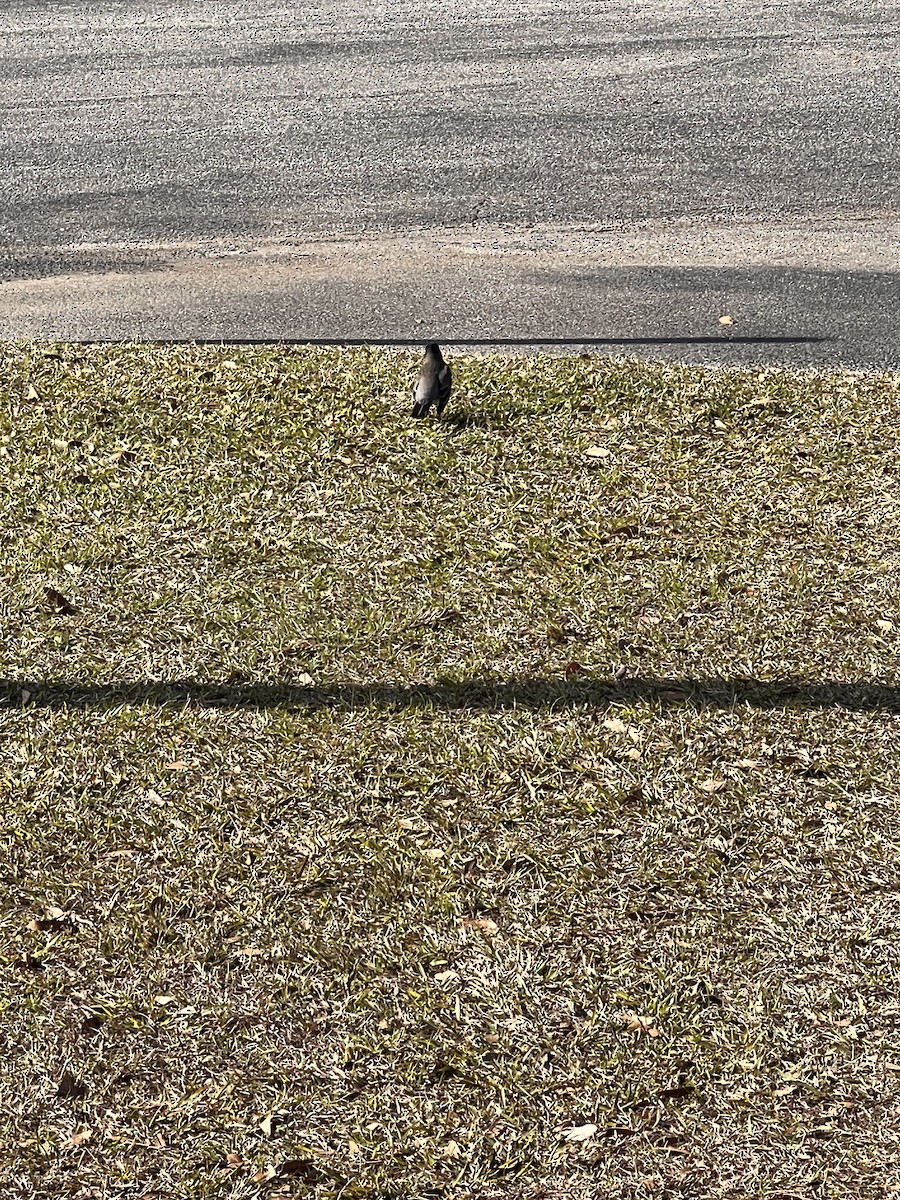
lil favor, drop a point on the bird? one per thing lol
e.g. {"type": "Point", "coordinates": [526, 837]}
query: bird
{"type": "Point", "coordinates": [433, 383]}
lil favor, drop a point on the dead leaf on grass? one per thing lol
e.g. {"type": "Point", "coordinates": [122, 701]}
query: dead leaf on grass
{"type": "Point", "coordinates": [616, 725]}
{"type": "Point", "coordinates": [433, 853]}
{"type": "Point", "coordinates": [266, 1125]}
{"type": "Point", "coordinates": [598, 452]}
{"type": "Point", "coordinates": [579, 1133]}
{"type": "Point", "coordinates": [747, 764]}
{"type": "Point", "coordinates": [713, 785]}
{"type": "Point", "coordinates": [79, 1138]}
{"type": "Point", "coordinates": [484, 924]}
{"type": "Point", "coordinates": [451, 1150]}
{"type": "Point", "coordinates": [638, 1024]}
{"type": "Point", "coordinates": [55, 921]}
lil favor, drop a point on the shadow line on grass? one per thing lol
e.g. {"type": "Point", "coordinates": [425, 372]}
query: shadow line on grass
{"type": "Point", "coordinates": [476, 694]}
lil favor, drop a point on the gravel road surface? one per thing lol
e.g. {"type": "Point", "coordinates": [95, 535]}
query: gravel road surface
{"type": "Point", "coordinates": [467, 171]}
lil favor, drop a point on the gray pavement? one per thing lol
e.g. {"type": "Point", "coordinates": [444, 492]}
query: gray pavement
{"type": "Point", "coordinates": [458, 170]}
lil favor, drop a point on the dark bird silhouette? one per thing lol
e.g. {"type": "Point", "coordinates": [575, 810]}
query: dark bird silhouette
{"type": "Point", "coordinates": [433, 383]}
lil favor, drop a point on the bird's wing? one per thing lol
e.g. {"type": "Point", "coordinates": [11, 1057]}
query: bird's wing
{"type": "Point", "coordinates": [444, 382]}
{"type": "Point", "coordinates": [423, 388]}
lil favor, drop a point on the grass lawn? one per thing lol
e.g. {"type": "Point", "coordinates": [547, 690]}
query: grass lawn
{"type": "Point", "coordinates": [382, 801]}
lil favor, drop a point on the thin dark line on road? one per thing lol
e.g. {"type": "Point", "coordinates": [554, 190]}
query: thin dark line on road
{"type": "Point", "coordinates": [449, 341]}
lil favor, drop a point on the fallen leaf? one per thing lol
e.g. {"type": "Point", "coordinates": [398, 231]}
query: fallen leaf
{"type": "Point", "coordinates": [442, 977]}
{"type": "Point", "coordinates": [407, 823]}
{"type": "Point", "coordinates": [33, 393]}
{"type": "Point", "coordinates": [579, 1133]}
{"type": "Point", "coordinates": [305, 679]}
{"type": "Point", "coordinates": [79, 1138]}
{"type": "Point", "coordinates": [747, 764]}
{"type": "Point", "coordinates": [353, 1147]}
{"type": "Point", "coordinates": [262, 1176]}
{"type": "Point", "coordinates": [59, 602]}
{"type": "Point", "coordinates": [485, 924]}
{"type": "Point", "coordinates": [615, 725]}
{"type": "Point", "coordinates": [885, 626]}
{"type": "Point", "coordinates": [726, 320]}
{"type": "Point", "coordinates": [55, 921]}
{"type": "Point", "coordinates": [163, 1001]}
{"type": "Point", "coordinates": [266, 1125]}
{"type": "Point", "coordinates": [640, 1024]}
{"type": "Point", "coordinates": [574, 668]}
{"type": "Point", "coordinates": [713, 785]}
{"type": "Point", "coordinates": [178, 765]}
{"type": "Point", "coordinates": [230, 364]}
{"type": "Point", "coordinates": [433, 853]}
{"type": "Point", "coordinates": [598, 452]}
{"type": "Point", "coordinates": [492, 1038]}
{"type": "Point", "coordinates": [233, 1159]}
{"type": "Point", "coordinates": [451, 1150]}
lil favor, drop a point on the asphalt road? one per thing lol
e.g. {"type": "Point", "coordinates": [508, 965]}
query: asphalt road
{"type": "Point", "coordinates": [466, 171]}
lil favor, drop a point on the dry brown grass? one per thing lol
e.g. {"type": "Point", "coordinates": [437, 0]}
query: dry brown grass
{"type": "Point", "coordinates": [401, 795]}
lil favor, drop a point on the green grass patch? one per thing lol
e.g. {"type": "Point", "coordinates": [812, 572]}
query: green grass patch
{"type": "Point", "coordinates": [382, 799]}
